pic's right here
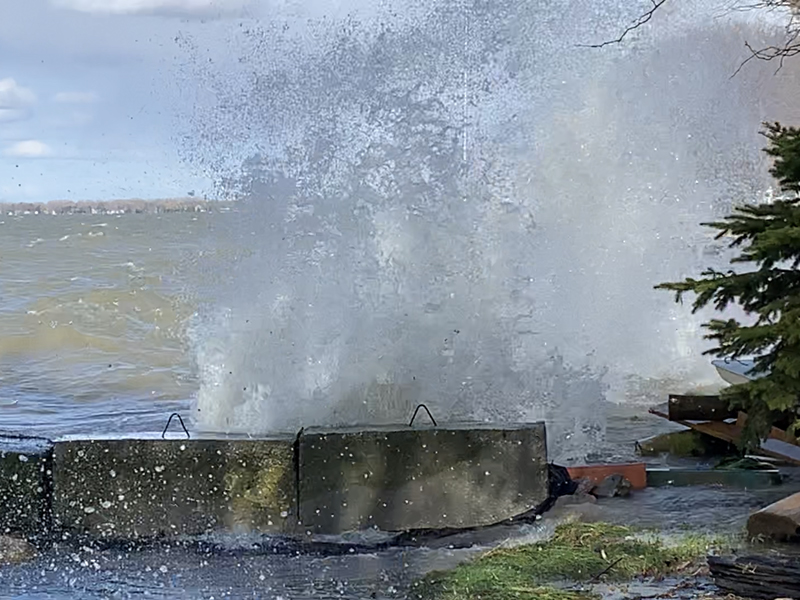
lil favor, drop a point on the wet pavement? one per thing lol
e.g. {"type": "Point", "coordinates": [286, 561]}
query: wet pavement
{"type": "Point", "coordinates": [234, 570]}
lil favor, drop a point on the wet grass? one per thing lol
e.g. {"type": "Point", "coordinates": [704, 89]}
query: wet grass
{"type": "Point", "coordinates": [577, 552]}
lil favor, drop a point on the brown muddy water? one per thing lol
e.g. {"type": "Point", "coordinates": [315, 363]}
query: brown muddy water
{"type": "Point", "coordinates": [93, 315]}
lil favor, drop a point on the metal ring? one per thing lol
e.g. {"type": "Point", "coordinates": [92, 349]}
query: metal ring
{"type": "Point", "coordinates": [416, 410]}
{"type": "Point", "coordinates": [186, 431]}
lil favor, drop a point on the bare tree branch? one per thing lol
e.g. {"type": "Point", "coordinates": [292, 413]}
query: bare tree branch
{"type": "Point", "coordinates": [790, 47]}
{"type": "Point", "coordinates": [640, 21]}
{"type": "Point", "coordinates": [770, 53]}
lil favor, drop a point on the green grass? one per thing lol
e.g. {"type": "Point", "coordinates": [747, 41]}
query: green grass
{"type": "Point", "coordinates": [577, 552]}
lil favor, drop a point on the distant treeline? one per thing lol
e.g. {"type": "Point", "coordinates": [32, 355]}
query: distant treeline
{"type": "Point", "coordinates": [113, 207]}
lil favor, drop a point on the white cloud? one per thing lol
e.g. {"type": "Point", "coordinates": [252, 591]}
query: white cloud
{"type": "Point", "coordinates": [15, 100]}
{"type": "Point", "coordinates": [75, 97]}
{"type": "Point", "coordinates": [28, 149]}
{"type": "Point", "coordinates": [167, 7]}
{"type": "Point", "coordinates": [13, 95]}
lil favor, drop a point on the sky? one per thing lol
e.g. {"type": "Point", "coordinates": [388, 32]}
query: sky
{"type": "Point", "coordinates": [96, 95]}
{"type": "Point", "coordinates": [90, 98]}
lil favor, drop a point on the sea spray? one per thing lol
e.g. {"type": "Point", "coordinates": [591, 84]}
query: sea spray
{"type": "Point", "coordinates": [453, 203]}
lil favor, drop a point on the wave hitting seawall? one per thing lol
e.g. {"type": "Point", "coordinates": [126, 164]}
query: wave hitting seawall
{"type": "Point", "coordinates": [456, 204]}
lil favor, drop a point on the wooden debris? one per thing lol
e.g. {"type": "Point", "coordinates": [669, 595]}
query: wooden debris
{"type": "Point", "coordinates": [774, 433]}
{"type": "Point", "coordinates": [757, 577]}
{"type": "Point", "coordinates": [698, 408]}
{"type": "Point", "coordinates": [778, 445]}
{"type": "Point", "coordinates": [685, 444]}
{"type": "Point", "coordinates": [779, 521]}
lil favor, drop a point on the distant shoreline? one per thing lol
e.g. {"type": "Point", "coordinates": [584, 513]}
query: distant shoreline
{"type": "Point", "coordinates": [114, 207]}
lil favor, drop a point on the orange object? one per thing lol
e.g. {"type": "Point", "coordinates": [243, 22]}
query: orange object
{"type": "Point", "coordinates": [633, 472]}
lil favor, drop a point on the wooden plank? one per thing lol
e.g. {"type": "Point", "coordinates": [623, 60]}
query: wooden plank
{"type": "Point", "coordinates": [633, 472]}
{"type": "Point", "coordinates": [718, 429]}
{"type": "Point", "coordinates": [698, 408]}
{"type": "Point", "coordinates": [757, 577]}
{"type": "Point", "coordinates": [774, 433]}
{"type": "Point", "coordinates": [779, 521]}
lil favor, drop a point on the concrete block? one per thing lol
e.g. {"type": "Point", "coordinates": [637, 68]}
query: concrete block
{"type": "Point", "coordinates": [142, 488]}
{"type": "Point", "coordinates": [399, 478]}
{"type": "Point", "coordinates": [25, 475]}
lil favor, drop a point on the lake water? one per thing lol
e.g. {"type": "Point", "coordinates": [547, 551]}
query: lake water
{"type": "Point", "coordinates": [96, 316]}
{"type": "Point", "coordinates": [94, 313]}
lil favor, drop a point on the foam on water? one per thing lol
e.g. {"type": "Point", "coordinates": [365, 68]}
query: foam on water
{"type": "Point", "coordinates": [453, 203]}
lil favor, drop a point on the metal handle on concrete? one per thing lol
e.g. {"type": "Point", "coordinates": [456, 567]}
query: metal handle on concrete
{"type": "Point", "coordinates": [186, 431]}
{"type": "Point", "coordinates": [416, 410]}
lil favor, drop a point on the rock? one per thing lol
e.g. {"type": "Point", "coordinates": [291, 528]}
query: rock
{"type": "Point", "coordinates": [581, 495]}
{"type": "Point", "coordinates": [15, 550]}
{"type": "Point", "coordinates": [585, 486]}
{"type": "Point", "coordinates": [613, 485]}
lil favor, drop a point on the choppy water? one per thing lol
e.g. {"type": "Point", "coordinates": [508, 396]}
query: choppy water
{"type": "Point", "coordinates": [96, 315]}
{"type": "Point", "coordinates": [93, 314]}
{"type": "Point", "coordinates": [454, 202]}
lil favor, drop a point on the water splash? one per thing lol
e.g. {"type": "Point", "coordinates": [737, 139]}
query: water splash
{"type": "Point", "coordinates": [453, 203]}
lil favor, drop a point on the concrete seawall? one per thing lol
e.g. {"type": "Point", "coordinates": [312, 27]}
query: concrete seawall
{"type": "Point", "coordinates": [25, 486]}
{"type": "Point", "coordinates": [140, 488]}
{"type": "Point", "coordinates": [320, 481]}
{"type": "Point", "coordinates": [398, 479]}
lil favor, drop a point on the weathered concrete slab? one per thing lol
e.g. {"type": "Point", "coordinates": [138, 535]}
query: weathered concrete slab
{"type": "Point", "coordinates": [401, 478]}
{"type": "Point", "coordinates": [25, 474]}
{"type": "Point", "coordinates": [141, 488]}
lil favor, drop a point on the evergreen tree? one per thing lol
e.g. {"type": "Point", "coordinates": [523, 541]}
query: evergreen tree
{"type": "Point", "coordinates": [768, 239]}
